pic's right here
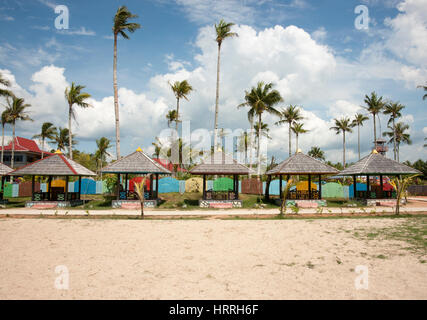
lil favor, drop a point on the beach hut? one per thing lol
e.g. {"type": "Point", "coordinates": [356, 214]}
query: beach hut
{"type": "Point", "coordinates": [4, 170]}
{"type": "Point", "coordinates": [216, 164]}
{"type": "Point", "coordinates": [302, 164]}
{"type": "Point", "coordinates": [137, 163]}
{"type": "Point", "coordinates": [376, 165]}
{"type": "Point", "coordinates": [55, 165]}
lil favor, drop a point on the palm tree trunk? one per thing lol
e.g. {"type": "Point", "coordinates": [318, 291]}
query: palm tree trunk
{"type": "Point", "coordinates": [116, 98]}
{"type": "Point", "coordinates": [246, 148]}
{"type": "Point", "coordinates": [394, 140]}
{"type": "Point", "coordinates": [70, 134]}
{"type": "Point", "coordinates": [217, 97]}
{"type": "Point", "coordinates": [343, 150]}
{"type": "Point", "coordinates": [13, 145]}
{"type": "Point", "coordinates": [290, 142]}
{"type": "Point", "coordinates": [2, 143]}
{"type": "Point", "coordinates": [177, 115]}
{"type": "Point", "coordinates": [251, 146]}
{"type": "Point", "coordinates": [258, 151]}
{"type": "Point", "coordinates": [375, 133]}
{"type": "Point", "coordinates": [398, 151]}
{"type": "Point", "coordinates": [358, 139]}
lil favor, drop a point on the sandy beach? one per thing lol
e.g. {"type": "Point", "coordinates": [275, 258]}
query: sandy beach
{"type": "Point", "coordinates": [209, 259]}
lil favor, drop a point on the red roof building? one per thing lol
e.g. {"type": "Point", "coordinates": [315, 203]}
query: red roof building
{"type": "Point", "coordinates": [168, 165]}
{"type": "Point", "coordinates": [26, 151]}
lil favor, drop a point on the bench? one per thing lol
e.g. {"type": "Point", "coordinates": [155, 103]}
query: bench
{"type": "Point", "coordinates": [45, 206]}
{"type": "Point", "coordinates": [131, 206]}
{"type": "Point", "coordinates": [221, 205]}
{"type": "Point", "coordinates": [386, 203]}
{"type": "Point", "coordinates": [307, 204]}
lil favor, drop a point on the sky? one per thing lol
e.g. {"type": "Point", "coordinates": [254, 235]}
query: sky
{"type": "Point", "coordinates": [314, 52]}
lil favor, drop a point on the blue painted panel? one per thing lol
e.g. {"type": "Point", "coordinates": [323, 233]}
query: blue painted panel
{"type": "Point", "coordinates": [99, 187]}
{"type": "Point", "coordinates": [168, 184]}
{"type": "Point", "coordinates": [209, 185]}
{"type": "Point", "coordinates": [359, 186]}
{"type": "Point", "coordinates": [88, 186]}
{"type": "Point", "coordinates": [15, 190]}
{"type": "Point", "coordinates": [43, 187]}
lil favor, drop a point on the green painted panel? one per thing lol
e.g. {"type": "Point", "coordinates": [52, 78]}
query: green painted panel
{"type": "Point", "coordinates": [223, 184]}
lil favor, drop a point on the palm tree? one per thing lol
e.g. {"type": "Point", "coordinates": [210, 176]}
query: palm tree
{"type": "Point", "coordinates": [6, 83]}
{"type": "Point", "coordinates": [394, 110]}
{"type": "Point", "coordinates": [398, 135]}
{"type": "Point", "coordinates": [181, 89]}
{"type": "Point", "coordinates": [222, 32]}
{"type": "Point", "coordinates": [263, 131]}
{"type": "Point", "coordinates": [157, 147]}
{"type": "Point", "coordinates": [48, 132]}
{"type": "Point", "coordinates": [316, 153]}
{"type": "Point", "coordinates": [171, 117]}
{"type": "Point", "coordinates": [358, 121]}
{"type": "Point", "coordinates": [4, 120]}
{"type": "Point", "coordinates": [62, 139]}
{"type": "Point", "coordinates": [375, 105]}
{"type": "Point", "coordinates": [121, 25]}
{"type": "Point", "coordinates": [261, 99]}
{"type": "Point", "coordinates": [290, 115]}
{"type": "Point", "coordinates": [103, 145]}
{"type": "Point", "coordinates": [74, 96]}
{"type": "Point", "coordinates": [17, 111]}
{"type": "Point", "coordinates": [425, 89]}
{"type": "Point", "coordinates": [298, 128]}
{"type": "Point", "coordinates": [343, 125]}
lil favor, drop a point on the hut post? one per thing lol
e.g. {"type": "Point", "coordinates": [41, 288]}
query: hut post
{"type": "Point", "coordinates": [66, 188]}
{"type": "Point", "coordinates": [309, 187]}
{"type": "Point", "coordinates": [118, 186]}
{"type": "Point", "coordinates": [33, 181]}
{"type": "Point", "coordinates": [151, 186]}
{"type": "Point", "coordinates": [157, 186]}
{"type": "Point", "coordinates": [204, 187]}
{"type": "Point", "coordinates": [354, 187]}
{"type": "Point", "coordinates": [280, 187]}
{"type": "Point", "coordinates": [49, 191]}
{"type": "Point", "coordinates": [126, 185]}
{"type": "Point", "coordinates": [320, 186]}
{"type": "Point", "coordinates": [367, 187]}
{"type": "Point", "coordinates": [381, 185]}
{"type": "Point", "coordinates": [80, 187]}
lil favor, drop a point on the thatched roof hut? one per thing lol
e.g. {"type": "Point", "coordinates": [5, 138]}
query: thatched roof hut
{"type": "Point", "coordinates": [136, 163]}
{"type": "Point", "coordinates": [4, 169]}
{"type": "Point", "coordinates": [219, 163]}
{"type": "Point", "coordinates": [376, 164]}
{"type": "Point", "coordinates": [54, 165]}
{"type": "Point", "coordinates": [302, 164]}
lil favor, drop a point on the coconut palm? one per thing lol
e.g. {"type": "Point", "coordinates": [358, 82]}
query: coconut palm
{"type": "Point", "coordinates": [6, 83]}
{"type": "Point", "coordinates": [181, 89]}
{"type": "Point", "coordinates": [171, 117]}
{"type": "Point", "coordinates": [103, 144]}
{"type": "Point", "coordinates": [62, 139]}
{"type": "Point", "coordinates": [290, 115]}
{"type": "Point", "coordinates": [48, 132]}
{"type": "Point", "coordinates": [223, 31]}
{"type": "Point", "coordinates": [74, 96]}
{"type": "Point", "coordinates": [121, 26]}
{"type": "Point", "coordinates": [157, 147]}
{"type": "Point", "coordinates": [398, 135]}
{"type": "Point", "coordinates": [16, 111]}
{"type": "Point", "coordinates": [261, 99]}
{"type": "Point", "coordinates": [4, 120]}
{"type": "Point", "coordinates": [263, 131]}
{"type": "Point", "coordinates": [342, 125]}
{"type": "Point", "coordinates": [358, 121]}
{"type": "Point", "coordinates": [374, 105]}
{"type": "Point", "coordinates": [394, 110]}
{"type": "Point", "coordinates": [298, 128]}
{"type": "Point", "coordinates": [425, 89]}
{"type": "Point", "coordinates": [316, 153]}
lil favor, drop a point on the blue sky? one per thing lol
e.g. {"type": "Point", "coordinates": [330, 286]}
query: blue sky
{"type": "Point", "coordinates": [329, 54]}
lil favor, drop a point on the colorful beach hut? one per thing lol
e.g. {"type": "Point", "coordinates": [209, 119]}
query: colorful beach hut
{"type": "Point", "coordinates": [376, 165]}
{"type": "Point", "coordinates": [216, 164]}
{"type": "Point", "coordinates": [302, 164]}
{"type": "Point", "coordinates": [55, 165]}
{"type": "Point", "coordinates": [137, 163]}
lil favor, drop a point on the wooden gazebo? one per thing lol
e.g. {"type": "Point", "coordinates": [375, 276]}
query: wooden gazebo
{"type": "Point", "coordinates": [377, 165]}
{"type": "Point", "coordinates": [4, 170]}
{"type": "Point", "coordinates": [302, 164]}
{"type": "Point", "coordinates": [55, 165]}
{"type": "Point", "coordinates": [137, 163]}
{"type": "Point", "coordinates": [216, 164]}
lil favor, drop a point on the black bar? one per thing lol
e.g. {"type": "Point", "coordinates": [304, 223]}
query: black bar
{"type": "Point", "coordinates": [382, 186]}
{"type": "Point", "coordinates": [33, 180]}
{"type": "Point", "coordinates": [66, 188]}
{"type": "Point", "coordinates": [320, 186]}
{"type": "Point", "coordinates": [367, 187]}
{"type": "Point", "coordinates": [309, 186]}
{"type": "Point", "coordinates": [204, 187]}
{"type": "Point", "coordinates": [280, 187]}
{"type": "Point", "coordinates": [354, 186]}
{"type": "Point", "coordinates": [80, 187]}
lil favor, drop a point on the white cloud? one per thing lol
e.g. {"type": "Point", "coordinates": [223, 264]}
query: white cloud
{"type": "Point", "coordinates": [79, 32]}
{"type": "Point", "coordinates": [319, 35]}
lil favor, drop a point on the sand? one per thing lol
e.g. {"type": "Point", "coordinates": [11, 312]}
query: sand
{"type": "Point", "coordinates": [205, 259]}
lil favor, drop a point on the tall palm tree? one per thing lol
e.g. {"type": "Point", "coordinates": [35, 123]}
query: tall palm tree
{"type": "Point", "coordinates": [425, 89]}
{"type": "Point", "coordinates": [62, 139]}
{"type": "Point", "coordinates": [298, 128]}
{"type": "Point", "coordinates": [157, 147]}
{"type": "Point", "coordinates": [394, 110]}
{"type": "Point", "coordinates": [181, 89]}
{"type": "Point", "coordinates": [6, 83]}
{"type": "Point", "coordinates": [398, 135]}
{"type": "Point", "coordinates": [261, 99]}
{"type": "Point", "coordinates": [374, 105]}
{"type": "Point", "coordinates": [358, 121]}
{"type": "Point", "coordinates": [316, 153]}
{"type": "Point", "coordinates": [48, 132]}
{"type": "Point", "coordinates": [290, 115]}
{"type": "Point", "coordinates": [121, 25]}
{"type": "Point", "coordinates": [103, 144]}
{"type": "Point", "coordinates": [4, 120]}
{"type": "Point", "coordinates": [74, 96]}
{"type": "Point", "coordinates": [171, 116]}
{"type": "Point", "coordinates": [16, 111]}
{"type": "Point", "coordinates": [342, 125]}
{"type": "Point", "coordinates": [223, 31]}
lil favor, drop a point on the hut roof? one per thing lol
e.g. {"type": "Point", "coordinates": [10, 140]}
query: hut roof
{"type": "Point", "coordinates": [54, 165]}
{"type": "Point", "coordinates": [375, 164]}
{"type": "Point", "coordinates": [300, 163]}
{"type": "Point", "coordinates": [4, 169]}
{"type": "Point", "coordinates": [220, 163]}
{"type": "Point", "coordinates": [137, 162]}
